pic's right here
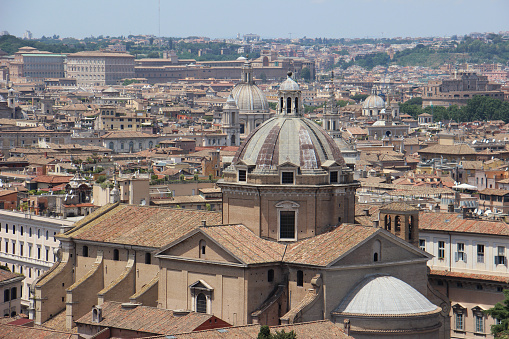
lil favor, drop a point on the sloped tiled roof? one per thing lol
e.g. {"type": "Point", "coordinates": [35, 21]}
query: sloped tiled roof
{"type": "Point", "coordinates": [309, 330]}
{"type": "Point", "coordinates": [325, 248]}
{"type": "Point", "coordinates": [473, 276]}
{"type": "Point", "coordinates": [460, 149]}
{"type": "Point", "coordinates": [399, 206]}
{"type": "Point", "coordinates": [23, 332]}
{"type": "Point", "coordinates": [245, 245]}
{"type": "Point", "coordinates": [142, 225]}
{"type": "Point", "coordinates": [146, 319]}
{"type": "Point", "coordinates": [453, 222]}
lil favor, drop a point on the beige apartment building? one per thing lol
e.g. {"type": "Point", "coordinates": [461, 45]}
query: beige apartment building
{"type": "Point", "coordinates": [31, 64]}
{"type": "Point", "coordinates": [459, 89]}
{"type": "Point", "coordinates": [110, 118]}
{"type": "Point", "coordinates": [92, 68]}
{"type": "Point", "coordinates": [10, 289]}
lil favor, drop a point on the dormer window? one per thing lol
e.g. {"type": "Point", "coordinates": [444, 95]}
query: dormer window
{"type": "Point", "coordinates": [333, 177]}
{"type": "Point", "coordinates": [242, 175]}
{"type": "Point", "coordinates": [287, 178]}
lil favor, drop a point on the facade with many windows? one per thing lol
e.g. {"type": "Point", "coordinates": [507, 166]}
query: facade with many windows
{"type": "Point", "coordinates": [92, 68]}
{"type": "Point", "coordinates": [28, 245]}
{"type": "Point", "coordinates": [30, 64]}
{"type": "Point", "coordinates": [469, 266]}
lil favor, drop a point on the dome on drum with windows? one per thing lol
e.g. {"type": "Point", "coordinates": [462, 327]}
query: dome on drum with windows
{"type": "Point", "coordinates": [289, 149]}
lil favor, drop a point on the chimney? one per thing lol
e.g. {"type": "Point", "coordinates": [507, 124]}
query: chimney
{"type": "Point", "coordinates": [97, 314]}
{"type": "Point", "coordinates": [366, 212]}
{"type": "Point", "coordinates": [450, 208]}
{"type": "Point", "coordinates": [465, 213]}
{"type": "Point", "coordinates": [376, 223]}
{"type": "Point", "coordinates": [346, 324]}
{"type": "Point", "coordinates": [437, 208]}
{"type": "Point", "coordinates": [204, 223]}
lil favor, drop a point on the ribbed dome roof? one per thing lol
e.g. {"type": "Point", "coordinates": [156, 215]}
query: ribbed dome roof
{"type": "Point", "coordinates": [289, 84]}
{"type": "Point", "coordinates": [373, 101]}
{"type": "Point", "coordinates": [250, 98]}
{"type": "Point", "coordinates": [385, 295]}
{"type": "Point", "coordinates": [288, 139]}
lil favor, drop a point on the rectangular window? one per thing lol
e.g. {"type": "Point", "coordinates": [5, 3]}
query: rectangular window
{"type": "Point", "coordinates": [422, 244]}
{"type": "Point", "coordinates": [38, 253]}
{"type": "Point", "coordinates": [333, 176]}
{"type": "Point", "coordinates": [479, 324]}
{"type": "Point", "coordinates": [459, 322]}
{"type": "Point", "coordinates": [441, 250]}
{"type": "Point", "coordinates": [242, 175]}
{"type": "Point", "coordinates": [287, 224]}
{"type": "Point", "coordinates": [480, 254]}
{"type": "Point", "coordinates": [500, 258]}
{"type": "Point", "coordinates": [460, 252]}
{"type": "Point", "coordinates": [287, 177]}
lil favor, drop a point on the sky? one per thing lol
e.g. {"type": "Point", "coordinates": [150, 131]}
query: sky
{"type": "Point", "coordinates": [267, 18]}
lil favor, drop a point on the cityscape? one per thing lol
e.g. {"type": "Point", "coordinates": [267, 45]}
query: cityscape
{"type": "Point", "coordinates": [325, 183]}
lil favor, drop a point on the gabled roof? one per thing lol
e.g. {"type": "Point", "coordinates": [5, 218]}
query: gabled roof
{"type": "Point", "coordinates": [326, 248]}
{"type": "Point", "coordinates": [453, 222]}
{"type": "Point", "coordinates": [146, 319]}
{"type": "Point", "coordinates": [140, 225]}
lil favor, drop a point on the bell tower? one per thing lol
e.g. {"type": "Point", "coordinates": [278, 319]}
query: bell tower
{"type": "Point", "coordinates": [289, 94]}
{"type": "Point", "coordinates": [230, 122]}
{"type": "Point", "coordinates": [402, 220]}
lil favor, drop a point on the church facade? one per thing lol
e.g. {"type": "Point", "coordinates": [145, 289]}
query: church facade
{"type": "Point", "coordinates": [283, 250]}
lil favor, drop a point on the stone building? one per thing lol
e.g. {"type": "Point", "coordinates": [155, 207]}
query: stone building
{"type": "Point", "coordinates": [31, 64]}
{"type": "Point", "coordinates": [10, 293]}
{"type": "Point", "coordinates": [27, 245]}
{"type": "Point", "coordinates": [458, 90]}
{"type": "Point", "coordinates": [92, 68]}
{"type": "Point", "coordinates": [284, 249]}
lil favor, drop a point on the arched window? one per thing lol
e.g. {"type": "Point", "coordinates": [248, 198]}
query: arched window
{"type": "Point", "coordinates": [47, 235]}
{"type": "Point", "coordinates": [30, 232]}
{"type": "Point", "coordinates": [85, 251]}
{"type": "Point", "coordinates": [410, 227]}
{"type": "Point", "coordinates": [203, 247]}
{"type": "Point", "coordinates": [201, 303]}
{"type": "Point", "coordinates": [116, 255]}
{"type": "Point", "coordinates": [397, 226]}
{"type": "Point", "coordinates": [270, 275]}
{"type": "Point", "coordinates": [377, 251]}
{"type": "Point", "coordinates": [289, 105]}
{"type": "Point", "coordinates": [38, 233]}
{"type": "Point", "coordinates": [300, 278]}
{"type": "Point", "coordinates": [296, 105]}
{"type": "Point", "coordinates": [21, 230]}
{"type": "Point", "coordinates": [150, 144]}
{"type": "Point", "coordinates": [131, 146]}
{"type": "Point", "coordinates": [387, 222]}
{"type": "Point", "coordinates": [281, 105]}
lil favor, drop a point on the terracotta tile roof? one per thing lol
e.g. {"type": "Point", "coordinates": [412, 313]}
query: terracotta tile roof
{"type": "Point", "coordinates": [7, 192]}
{"type": "Point", "coordinates": [23, 332]}
{"type": "Point", "coordinates": [461, 149]}
{"type": "Point", "coordinates": [494, 191]}
{"type": "Point", "coordinates": [245, 245]}
{"type": "Point", "coordinates": [453, 222]}
{"type": "Point", "coordinates": [323, 249]}
{"type": "Point", "coordinates": [142, 225]}
{"type": "Point", "coordinates": [399, 206]}
{"type": "Point", "coordinates": [127, 134]}
{"type": "Point", "coordinates": [146, 319]}
{"type": "Point", "coordinates": [473, 276]}
{"type": "Point", "coordinates": [52, 179]}
{"type": "Point", "coordinates": [309, 330]}
{"type": "Point", "coordinates": [5, 276]}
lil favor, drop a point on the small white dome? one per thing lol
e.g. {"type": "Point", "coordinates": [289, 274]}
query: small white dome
{"type": "Point", "coordinates": [374, 101]}
{"type": "Point", "coordinates": [384, 295]}
{"type": "Point", "coordinates": [241, 58]}
{"type": "Point", "coordinates": [289, 84]}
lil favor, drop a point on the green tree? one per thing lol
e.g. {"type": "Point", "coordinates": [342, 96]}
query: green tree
{"type": "Point", "coordinates": [265, 334]}
{"type": "Point", "coordinates": [305, 74]}
{"type": "Point", "coordinates": [500, 312]}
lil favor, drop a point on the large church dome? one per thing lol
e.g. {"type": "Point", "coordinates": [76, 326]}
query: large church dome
{"type": "Point", "coordinates": [248, 96]}
{"type": "Point", "coordinates": [373, 101]}
{"type": "Point", "coordinates": [289, 139]}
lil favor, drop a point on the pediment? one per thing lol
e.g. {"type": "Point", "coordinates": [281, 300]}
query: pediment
{"type": "Point", "coordinates": [392, 249]}
{"type": "Point", "coordinates": [189, 248]}
{"type": "Point", "coordinates": [201, 285]}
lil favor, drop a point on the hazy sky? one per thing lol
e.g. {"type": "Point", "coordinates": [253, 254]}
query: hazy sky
{"type": "Point", "coordinates": [268, 18]}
